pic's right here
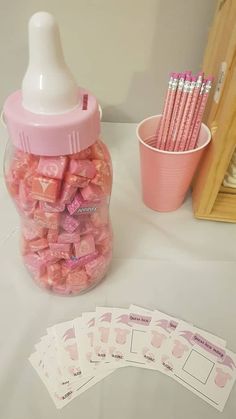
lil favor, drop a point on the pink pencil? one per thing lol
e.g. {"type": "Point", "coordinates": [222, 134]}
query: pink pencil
{"type": "Point", "coordinates": [164, 113]}
{"type": "Point", "coordinates": [197, 126]}
{"type": "Point", "coordinates": [184, 122]}
{"type": "Point", "coordinates": [175, 136]}
{"type": "Point", "coordinates": [197, 108]}
{"type": "Point", "coordinates": [170, 108]}
{"type": "Point", "coordinates": [169, 143]}
{"type": "Point", "coordinates": [192, 110]}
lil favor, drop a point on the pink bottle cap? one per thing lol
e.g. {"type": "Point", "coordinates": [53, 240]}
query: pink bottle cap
{"type": "Point", "coordinates": [50, 116]}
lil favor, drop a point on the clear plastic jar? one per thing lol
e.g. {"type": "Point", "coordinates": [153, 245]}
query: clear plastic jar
{"type": "Point", "coordinates": [63, 202]}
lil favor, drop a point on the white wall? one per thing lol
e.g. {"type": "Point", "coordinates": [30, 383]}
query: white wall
{"type": "Point", "coordinates": [122, 50]}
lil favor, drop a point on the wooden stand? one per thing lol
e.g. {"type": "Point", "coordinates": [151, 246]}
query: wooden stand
{"type": "Point", "coordinates": [211, 200]}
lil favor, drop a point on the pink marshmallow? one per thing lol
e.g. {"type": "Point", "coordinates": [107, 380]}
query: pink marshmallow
{"type": "Point", "coordinates": [85, 247]}
{"type": "Point", "coordinates": [84, 168]}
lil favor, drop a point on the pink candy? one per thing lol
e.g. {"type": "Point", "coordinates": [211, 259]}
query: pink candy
{"type": "Point", "coordinates": [85, 247]}
{"type": "Point", "coordinates": [45, 189]}
{"type": "Point", "coordinates": [56, 207]}
{"type": "Point", "coordinates": [75, 262]}
{"type": "Point", "coordinates": [69, 223]}
{"type": "Point", "coordinates": [78, 181]}
{"type": "Point", "coordinates": [69, 238]}
{"type": "Point", "coordinates": [52, 236]}
{"type": "Point", "coordinates": [60, 250]}
{"type": "Point", "coordinates": [47, 256]}
{"type": "Point", "coordinates": [35, 264]}
{"type": "Point", "coordinates": [46, 219]}
{"type": "Point", "coordinates": [84, 154]}
{"type": "Point", "coordinates": [63, 200]}
{"type": "Point", "coordinates": [91, 192]}
{"type": "Point", "coordinates": [75, 204]}
{"type": "Point", "coordinates": [32, 231]}
{"type": "Point", "coordinates": [85, 226]}
{"type": "Point", "coordinates": [105, 246]}
{"type": "Point", "coordinates": [78, 280]}
{"type": "Point", "coordinates": [100, 217]}
{"type": "Point", "coordinates": [68, 192]}
{"type": "Point", "coordinates": [38, 244]}
{"type": "Point", "coordinates": [52, 167]}
{"type": "Point", "coordinates": [98, 151]}
{"type": "Point", "coordinates": [54, 272]}
{"type": "Point", "coordinates": [97, 267]}
{"type": "Point", "coordinates": [84, 168]}
{"type": "Point", "coordinates": [101, 234]}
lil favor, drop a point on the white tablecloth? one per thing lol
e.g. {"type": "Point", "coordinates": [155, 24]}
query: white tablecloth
{"type": "Point", "coordinates": [167, 261]}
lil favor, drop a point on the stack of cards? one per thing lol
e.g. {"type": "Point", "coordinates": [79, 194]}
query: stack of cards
{"type": "Point", "coordinates": [77, 354]}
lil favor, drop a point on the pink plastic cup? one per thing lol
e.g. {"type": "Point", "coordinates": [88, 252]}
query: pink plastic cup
{"type": "Point", "coordinates": [166, 175]}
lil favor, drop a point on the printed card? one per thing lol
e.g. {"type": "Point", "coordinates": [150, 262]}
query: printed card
{"type": "Point", "coordinates": [68, 352]}
{"type": "Point", "coordinates": [101, 333]}
{"type": "Point", "coordinates": [159, 330]}
{"type": "Point", "coordinates": [77, 354]}
{"type": "Point", "coordinates": [201, 365]}
{"type": "Point", "coordinates": [127, 332]}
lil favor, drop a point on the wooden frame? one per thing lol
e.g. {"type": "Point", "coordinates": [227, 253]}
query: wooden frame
{"type": "Point", "coordinates": [210, 199]}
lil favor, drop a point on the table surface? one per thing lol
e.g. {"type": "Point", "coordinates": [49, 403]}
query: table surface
{"type": "Point", "coordinates": [166, 261]}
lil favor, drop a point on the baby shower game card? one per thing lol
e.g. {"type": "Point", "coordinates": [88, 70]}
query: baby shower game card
{"type": "Point", "coordinates": [128, 328]}
{"type": "Point", "coordinates": [159, 330]}
{"type": "Point", "coordinates": [201, 365]}
{"type": "Point", "coordinates": [68, 351]}
{"type": "Point", "coordinates": [101, 333]}
{"type": "Point", "coordinates": [84, 332]}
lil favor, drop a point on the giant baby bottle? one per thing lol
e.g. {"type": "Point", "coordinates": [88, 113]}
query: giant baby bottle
{"type": "Point", "coordinates": [57, 170]}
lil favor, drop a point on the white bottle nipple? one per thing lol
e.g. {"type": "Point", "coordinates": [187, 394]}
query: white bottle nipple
{"type": "Point", "coordinates": [48, 86]}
